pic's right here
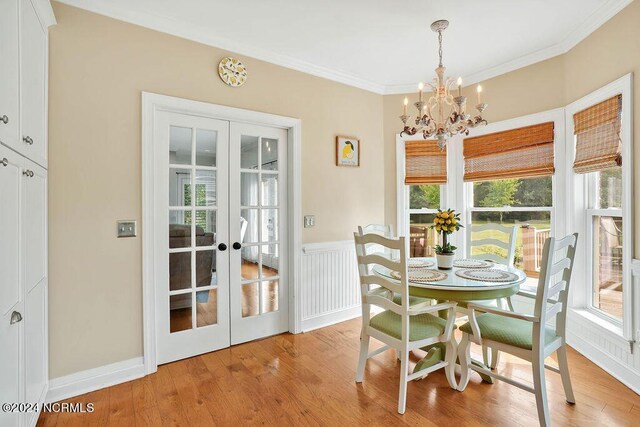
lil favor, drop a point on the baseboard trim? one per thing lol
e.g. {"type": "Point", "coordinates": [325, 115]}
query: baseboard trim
{"type": "Point", "coordinates": [94, 379]}
{"type": "Point", "coordinates": [619, 371]}
{"type": "Point", "coordinates": [328, 319]}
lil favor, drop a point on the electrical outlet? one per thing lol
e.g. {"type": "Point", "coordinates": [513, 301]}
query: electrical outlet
{"type": "Point", "coordinates": [126, 229]}
{"type": "Point", "coordinates": [309, 221]}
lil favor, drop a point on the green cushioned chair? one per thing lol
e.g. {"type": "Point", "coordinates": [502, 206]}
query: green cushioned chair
{"type": "Point", "coordinates": [528, 336]}
{"type": "Point", "coordinates": [401, 326]}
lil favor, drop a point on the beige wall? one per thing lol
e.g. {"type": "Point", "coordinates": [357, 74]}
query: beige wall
{"type": "Point", "coordinates": [609, 53]}
{"type": "Point", "coordinates": [98, 67]}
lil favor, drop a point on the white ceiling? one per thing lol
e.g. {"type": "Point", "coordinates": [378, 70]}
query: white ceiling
{"type": "Point", "coordinates": [385, 46]}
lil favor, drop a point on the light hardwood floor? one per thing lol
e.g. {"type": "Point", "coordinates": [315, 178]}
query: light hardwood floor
{"type": "Point", "coordinates": [308, 379]}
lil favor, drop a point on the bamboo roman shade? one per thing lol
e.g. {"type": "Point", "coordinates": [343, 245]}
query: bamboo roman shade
{"type": "Point", "coordinates": [597, 131]}
{"type": "Point", "coordinates": [517, 153]}
{"type": "Point", "coordinates": [425, 163]}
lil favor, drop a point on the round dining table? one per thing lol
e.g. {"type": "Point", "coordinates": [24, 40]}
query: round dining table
{"type": "Point", "coordinates": [460, 290]}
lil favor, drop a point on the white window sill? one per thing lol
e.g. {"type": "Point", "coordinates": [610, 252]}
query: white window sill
{"type": "Point", "coordinates": [612, 330]}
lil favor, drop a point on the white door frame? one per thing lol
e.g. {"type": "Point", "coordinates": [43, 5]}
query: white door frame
{"type": "Point", "coordinates": [152, 103]}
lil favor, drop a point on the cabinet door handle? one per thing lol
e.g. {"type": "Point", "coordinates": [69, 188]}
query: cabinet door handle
{"type": "Point", "coordinates": [28, 173]}
{"type": "Point", "coordinates": [237, 245]}
{"type": "Point", "coordinates": [28, 140]}
{"type": "Point", "coordinates": [222, 247]}
{"type": "Point", "coordinates": [4, 162]}
{"type": "Point", "coordinates": [16, 317]}
{"type": "Point", "coordinates": [4, 119]}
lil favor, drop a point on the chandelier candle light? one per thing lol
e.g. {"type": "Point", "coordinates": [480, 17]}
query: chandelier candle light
{"type": "Point", "coordinates": [442, 115]}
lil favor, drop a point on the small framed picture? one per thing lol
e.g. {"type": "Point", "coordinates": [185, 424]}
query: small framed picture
{"type": "Point", "coordinates": [347, 151]}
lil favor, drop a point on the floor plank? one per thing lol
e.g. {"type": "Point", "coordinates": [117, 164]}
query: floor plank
{"type": "Point", "coordinates": [307, 380]}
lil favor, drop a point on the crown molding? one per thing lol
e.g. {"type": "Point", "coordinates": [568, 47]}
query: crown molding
{"type": "Point", "coordinates": [595, 21]}
{"type": "Point", "coordinates": [202, 35]}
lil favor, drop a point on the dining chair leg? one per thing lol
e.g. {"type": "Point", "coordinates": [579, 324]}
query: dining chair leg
{"type": "Point", "coordinates": [540, 389]}
{"type": "Point", "coordinates": [364, 352]}
{"type": "Point", "coordinates": [486, 356]}
{"type": "Point", "coordinates": [495, 358]}
{"type": "Point", "coordinates": [399, 355]}
{"type": "Point", "coordinates": [450, 358]}
{"type": "Point", "coordinates": [464, 355]}
{"type": "Point", "coordinates": [564, 373]}
{"type": "Point", "coordinates": [404, 370]}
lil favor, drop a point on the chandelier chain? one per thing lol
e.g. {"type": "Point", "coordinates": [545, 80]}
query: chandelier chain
{"type": "Point", "coordinates": [440, 47]}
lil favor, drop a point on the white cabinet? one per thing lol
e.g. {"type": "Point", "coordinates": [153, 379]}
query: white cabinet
{"type": "Point", "coordinates": [33, 62]}
{"type": "Point", "coordinates": [11, 325]}
{"type": "Point", "coordinates": [9, 68]}
{"type": "Point", "coordinates": [23, 206]}
{"type": "Point", "coordinates": [10, 182]}
{"type": "Point", "coordinates": [34, 220]}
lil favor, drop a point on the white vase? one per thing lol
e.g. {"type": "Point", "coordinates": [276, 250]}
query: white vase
{"type": "Point", "coordinates": [445, 261]}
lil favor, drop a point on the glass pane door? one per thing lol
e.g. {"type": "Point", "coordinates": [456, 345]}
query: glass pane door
{"type": "Point", "coordinates": [257, 215]}
{"type": "Point", "coordinates": [193, 293]}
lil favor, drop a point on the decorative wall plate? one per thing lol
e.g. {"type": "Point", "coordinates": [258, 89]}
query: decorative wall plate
{"type": "Point", "coordinates": [472, 263]}
{"type": "Point", "coordinates": [422, 275]}
{"type": "Point", "coordinates": [488, 275]}
{"type": "Point", "coordinates": [419, 263]}
{"type": "Point", "coordinates": [232, 71]}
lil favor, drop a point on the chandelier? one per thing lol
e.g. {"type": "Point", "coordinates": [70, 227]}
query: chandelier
{"type": "Point", "coordinates": [442, 115]}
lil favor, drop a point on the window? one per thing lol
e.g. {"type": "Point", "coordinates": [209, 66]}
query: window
{"type": "Point", "coordinates": [526, 203]}
{"type": "Point", "coordinates": [425, 173]}
{"type": "Point", "coordinates": [598, 157]}
{"type": "Point", "coordinates": [424, 202]}
{"type": "Point", "coordinates": [605, 219]}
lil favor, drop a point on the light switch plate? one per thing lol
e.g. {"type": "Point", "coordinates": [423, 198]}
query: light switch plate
{"type": "Point", "coordinates": [126, 228]}
{"type": "Point", "coordinates": [309, 221]}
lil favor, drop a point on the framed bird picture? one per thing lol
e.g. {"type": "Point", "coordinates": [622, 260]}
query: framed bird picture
{"type": "Point", "coordinates": [347, 151]}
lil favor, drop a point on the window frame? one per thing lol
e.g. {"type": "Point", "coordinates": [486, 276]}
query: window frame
{"type": "Point", "coordinates": [582, 212]}
{"type": "Point", "coordinates": [402, 190]}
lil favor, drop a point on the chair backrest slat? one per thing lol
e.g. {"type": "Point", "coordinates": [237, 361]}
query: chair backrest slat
{"type": "Point", "coordinates": [368, 277]}
{"type": "Point", "coordinates": [508, 244]}
{"type": "Point", "coordinates": [562, 251]}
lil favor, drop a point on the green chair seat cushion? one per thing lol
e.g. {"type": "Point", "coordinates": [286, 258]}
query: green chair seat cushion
{"type": "Point", "coordinates": [396, 297]}
{"type": "Point", "coordinates": [488, 302]}
{"type": "Point", "coordinates": [507, 330]}
{"type": "Point", "coordinates": [420, 327]}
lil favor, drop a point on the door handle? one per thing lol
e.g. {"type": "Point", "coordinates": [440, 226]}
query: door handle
{"type": "Point", "coordinates": [16, 317]}
{"type": "Point", "coordinates": [4, 119]}
{"type": "Point", "coordinates": [28, 140]}
{"type": "Point", "coordinates": [4, 162]}
{"type": "Point", "coordinates": [237, 245]}
{"type": "Point", "coordinates": [222, 247]}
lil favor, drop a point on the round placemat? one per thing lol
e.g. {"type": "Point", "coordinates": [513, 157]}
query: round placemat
{"type": "Point", "coordinates": [472, 263]}
{"type": "Point", "coordinates": [422, 275]}
{"type": "Point", "coordinates": [488, 275]}
{"type": "Point", "coordinates": [419, 263]}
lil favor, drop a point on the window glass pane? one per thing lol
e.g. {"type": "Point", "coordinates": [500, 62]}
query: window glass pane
{"type": "Point", "coordinates": [607, 265]}
{"type": "Point", "coordinates": [269, 189]}
{"type": "Point", "coordinates": [180, 312]}
{"type": "Point", "coordinates": [179, 187]}
{"type": "Point", "coordinates": [206, 147]}
{"type": "Point", "coordinates": [269, 154]}
{"type": "Point", "coordinates": [249, 225]}
{"type": "Point", "coordinates": [179, 145]}
{"type": "Point", "coordinates": [205, 188]}
{"type": "Point", "coordinates": [248, 189]}
{"type": "Point", "coordinates": [205, 265]}
{"type": "Point", "coordinates": [179, 229]}
{"type": "Point", "coordinates": [249, 152]}
{"type": "Point", "coordinates": [424, 196]}
{"type": "Point", "coordinates": [179, 271]}
{"type": "Point", "coordinates": [519, 192]}
{"type": "Point", "coordinates": [207, 307]}
{"type": "Point", "coordinates": [421, 237]}
{"type": "Point", "coordinates": [269, 225]}
{"type": "Point", "coordinates": [249, 267]}
{"type": "Point", "coordinates": [250, 300]}
{"type": "Point", "coordinates": [205, 228]}
{"type": "Point", "coordinates": [269, 296]}
{"type": "Point", "coordinates": [609, 188]}
{"type": "Point", "coordinates": [270, 260]}
{"type": "Point", "coordinates": [533, 229]}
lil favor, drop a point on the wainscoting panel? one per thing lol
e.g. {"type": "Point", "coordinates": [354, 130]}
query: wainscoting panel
{"type": "Point", "coordinates": [608, 350]}
{"type": "Point", "coordinates": [328, 284]}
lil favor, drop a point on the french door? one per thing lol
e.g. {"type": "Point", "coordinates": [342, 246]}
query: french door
{"type": "Point", "coordinates": [221, 241]}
